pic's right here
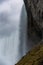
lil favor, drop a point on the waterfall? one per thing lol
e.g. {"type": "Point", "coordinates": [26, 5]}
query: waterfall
{"type": "Point", "coordinates": [13, 36]}
{"type": "Point", "coordinates": [13, 32]}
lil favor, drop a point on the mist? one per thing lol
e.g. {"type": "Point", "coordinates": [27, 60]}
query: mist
{"type": "Point", "coordinates": [13, 31]}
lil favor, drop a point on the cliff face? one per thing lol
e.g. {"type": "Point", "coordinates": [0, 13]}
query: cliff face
{"type": "Point", "coordinates": [34, 10]}
{"type": "Point", "coordinates": [33, 57]}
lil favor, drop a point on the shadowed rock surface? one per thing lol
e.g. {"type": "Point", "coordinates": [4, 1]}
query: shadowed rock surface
{"type": "Point", "coordinates": [34, 10]}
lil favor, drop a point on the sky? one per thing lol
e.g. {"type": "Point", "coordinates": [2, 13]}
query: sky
{"type": "Point", "coordinates": [10, 11]}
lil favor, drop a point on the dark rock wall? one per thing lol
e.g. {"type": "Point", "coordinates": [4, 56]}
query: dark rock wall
{"type": "Point", "coordinates": [34, 10]}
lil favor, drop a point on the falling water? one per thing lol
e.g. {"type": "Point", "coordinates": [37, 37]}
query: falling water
{"type": "Point", "coordinates": [13, 45]}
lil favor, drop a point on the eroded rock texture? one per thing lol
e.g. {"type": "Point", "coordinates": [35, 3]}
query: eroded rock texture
{"type": "Point", "coordinates": [34, 10]}
{"type": "Point", "coordinates": [33, 57]}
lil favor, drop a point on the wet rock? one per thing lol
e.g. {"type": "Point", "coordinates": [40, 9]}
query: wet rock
{"type": "Point", "coordinates": [34, 10]}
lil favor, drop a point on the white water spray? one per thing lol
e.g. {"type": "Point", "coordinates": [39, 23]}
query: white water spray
{"type": "Point", "coordinates": [12, 47]}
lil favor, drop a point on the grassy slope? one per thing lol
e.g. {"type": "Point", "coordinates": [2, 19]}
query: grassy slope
{"type": "Point", "coordinates": [33, 57]}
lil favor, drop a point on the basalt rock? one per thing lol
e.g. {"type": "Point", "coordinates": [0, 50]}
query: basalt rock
{"type": "Point", "coordinates": [33, 57]}
{"type": "Point", "coordinates": [34, 10]}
